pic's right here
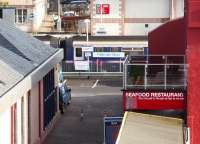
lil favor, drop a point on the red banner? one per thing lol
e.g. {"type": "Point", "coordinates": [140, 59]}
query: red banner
{"type": "Point", "coordinates": [153, 100]}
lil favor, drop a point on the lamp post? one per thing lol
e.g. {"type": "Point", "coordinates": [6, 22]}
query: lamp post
{"type": "Point", "coordinates": [87, 39]}
{"type": "Point", "coordinates": [59, 19]}
{"type": "Point", "coordinates": [87, 29]}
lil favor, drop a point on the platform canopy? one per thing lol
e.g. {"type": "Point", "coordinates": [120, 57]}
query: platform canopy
{"type": "Point", "coordinates": [140, 128]}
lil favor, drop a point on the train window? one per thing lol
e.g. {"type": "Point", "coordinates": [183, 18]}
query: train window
{"type": "Point", "coordinates": [98, 49]}
{"type": "Point", "coordinates": [78, 52]}
{"type": "Point", "coordinates": [116, 49]}
{"type": "Point", "coordinates": [107, 49]}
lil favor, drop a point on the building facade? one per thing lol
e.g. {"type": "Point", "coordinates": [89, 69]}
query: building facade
{"type": "Point", "coordinates": [29, 14]}
{"type": "Point", "coordinates": [28, 87]}
{"type": "Point", "coordinates": [132, 17]}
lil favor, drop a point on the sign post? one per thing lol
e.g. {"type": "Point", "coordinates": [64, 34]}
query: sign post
{"type": "Point", "coordinates": [111, 129]}
{"type": "Point", "coordinates": [88, 50]}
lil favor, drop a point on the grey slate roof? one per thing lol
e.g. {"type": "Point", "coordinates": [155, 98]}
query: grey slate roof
{"type": "Point", "coordinates": [8, 77]}
{"type": "Point", "coordinates": [32, 48]}
{"type": "Point", "coordinates": [20, 54]}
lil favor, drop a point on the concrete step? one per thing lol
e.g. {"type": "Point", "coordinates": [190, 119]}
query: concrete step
{"type": "Point", "coordinates": [48, 18]}
{"type": "Point", "coordinates": [45, 29]}
{"type": "Point", "coordinates": [47, 24]}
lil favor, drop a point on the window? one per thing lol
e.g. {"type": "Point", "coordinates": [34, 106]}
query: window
{"type": "Point", "coordinates": [116, 49]}
{"type": "Point", "coordinates": [107, 49]}
{"type": "Point", "coordinates": [98, 49]}
{"type": "Point", "coordinates": [1, 13]}
{"type": "Point", "coordinates": [21, 16]}
{"type": "Point", "coordinates": [78, 52]}
{"type": "Point", "coordinates": [146, 25]}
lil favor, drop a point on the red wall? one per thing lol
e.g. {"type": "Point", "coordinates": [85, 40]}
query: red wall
{"type": "Point", "coordinates": [168, 39]}
{"type": "Point", "coordinates": [193, 59]}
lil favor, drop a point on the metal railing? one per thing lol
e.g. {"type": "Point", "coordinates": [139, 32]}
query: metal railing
{"type": "Point", "coordinates": [95, 68]}
{"type": "Point", "coordinates": [155, 72]}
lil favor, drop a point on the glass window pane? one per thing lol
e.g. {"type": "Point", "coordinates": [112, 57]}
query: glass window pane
{"type": "Point", "coordinates": [19, 11]}
{"type": "Point", "coordinates": [78, 52]}
{"type": "Point", "coordinates": [25, 12]}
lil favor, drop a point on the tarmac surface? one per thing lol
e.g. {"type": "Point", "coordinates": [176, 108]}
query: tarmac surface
{"type": "Point", "coordinates": [96, 99]}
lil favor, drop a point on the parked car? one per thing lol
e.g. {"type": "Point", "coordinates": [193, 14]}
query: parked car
{"type": "Point", "coordinates": [64, 96]}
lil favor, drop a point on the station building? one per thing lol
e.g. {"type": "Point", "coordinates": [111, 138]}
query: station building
{"type": "Point", "coordinates": [132, 17]}
{"type": "Point", "coordinates": [28, 87]}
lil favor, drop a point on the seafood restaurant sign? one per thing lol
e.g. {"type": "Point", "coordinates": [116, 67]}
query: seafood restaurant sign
{"type": "Point", "coordinates": [153, 100]}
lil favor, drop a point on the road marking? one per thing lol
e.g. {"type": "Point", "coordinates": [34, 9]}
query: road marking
{"type": "Point", "coordinates": [95, 84]}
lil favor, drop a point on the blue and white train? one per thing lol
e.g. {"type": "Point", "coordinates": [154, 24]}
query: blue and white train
{"type": "Point", "coordinates": [99, 50]}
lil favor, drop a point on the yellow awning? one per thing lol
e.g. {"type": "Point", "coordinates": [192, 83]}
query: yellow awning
{"type": "Point", "coordinates": [140, 128]}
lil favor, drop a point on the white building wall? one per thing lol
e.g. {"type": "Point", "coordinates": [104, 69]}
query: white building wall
{"type": "Point", "coordinates": [139, 28]}
{"type": "Point", "coordinates": [9, 15]}
{"type": "Point", "coordinates": [147, 8]}
{"type": "Point", "coordinates": [25, 119]}
{"type": "Point", "coordinates": [19, 122]}
{"type": "Point", "coordinates": [108, 28]}
{"type": "Point", "coordinates": [39, 12]}
{"type": "Point", "coordinates": [34, 115]}
{"type": "Point", "coordinates": [179, 8]}
{"type": "Point", "coordinates": [5, 127]}
{"type": "Point", "coordinates": [18, 2]}
{"type": "Point", "coordinates": [128, 17]}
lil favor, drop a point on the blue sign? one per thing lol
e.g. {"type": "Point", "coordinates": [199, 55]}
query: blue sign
{"type": "Point", "coordinates": [111, 129]}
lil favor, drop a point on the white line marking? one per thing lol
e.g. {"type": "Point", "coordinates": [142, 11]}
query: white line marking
{"type": "Point", "coordinates": [95, 84]}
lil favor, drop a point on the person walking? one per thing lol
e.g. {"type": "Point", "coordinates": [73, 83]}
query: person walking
{"type": "Point", "coordinates": [81, 114]}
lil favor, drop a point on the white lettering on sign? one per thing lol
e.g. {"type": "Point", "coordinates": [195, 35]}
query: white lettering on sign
{"type": "Point", "coordinates": [109, 54]}
{"type": "Point", "coordinates": [87, 49]}
{"type": "Point", "coordinates": [156, 95]}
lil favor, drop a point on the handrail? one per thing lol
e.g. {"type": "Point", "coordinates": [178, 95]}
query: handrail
{"type": "Point", "coordinates": [165, 75]}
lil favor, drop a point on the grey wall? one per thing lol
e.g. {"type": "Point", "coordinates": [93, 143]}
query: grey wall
{"type": "Point", "coordinates": [9, 14]}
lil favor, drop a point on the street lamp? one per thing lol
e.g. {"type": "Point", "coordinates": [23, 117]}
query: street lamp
{"type": "Point", "coordinates": [59, 19]}
{"type": "Point", "coordinates": [87, 29]}
{"type": "Point", "coordinates": [87, 39]}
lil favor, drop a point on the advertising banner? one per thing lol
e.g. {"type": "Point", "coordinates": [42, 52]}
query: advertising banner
{"type": "Point", "coordinates": [81, 65]}
{"type": "Point", "coordinates": [154, 100]}
{"type": "Point", "coordinates": [108, 54]}
{"type": "Point", "coordinates": [111, 129]}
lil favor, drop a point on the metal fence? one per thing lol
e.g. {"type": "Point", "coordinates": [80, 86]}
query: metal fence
{"type": "Point", "coordinates": [95, 68]}
{"type": "Point", "coordinates": [155, 72]}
